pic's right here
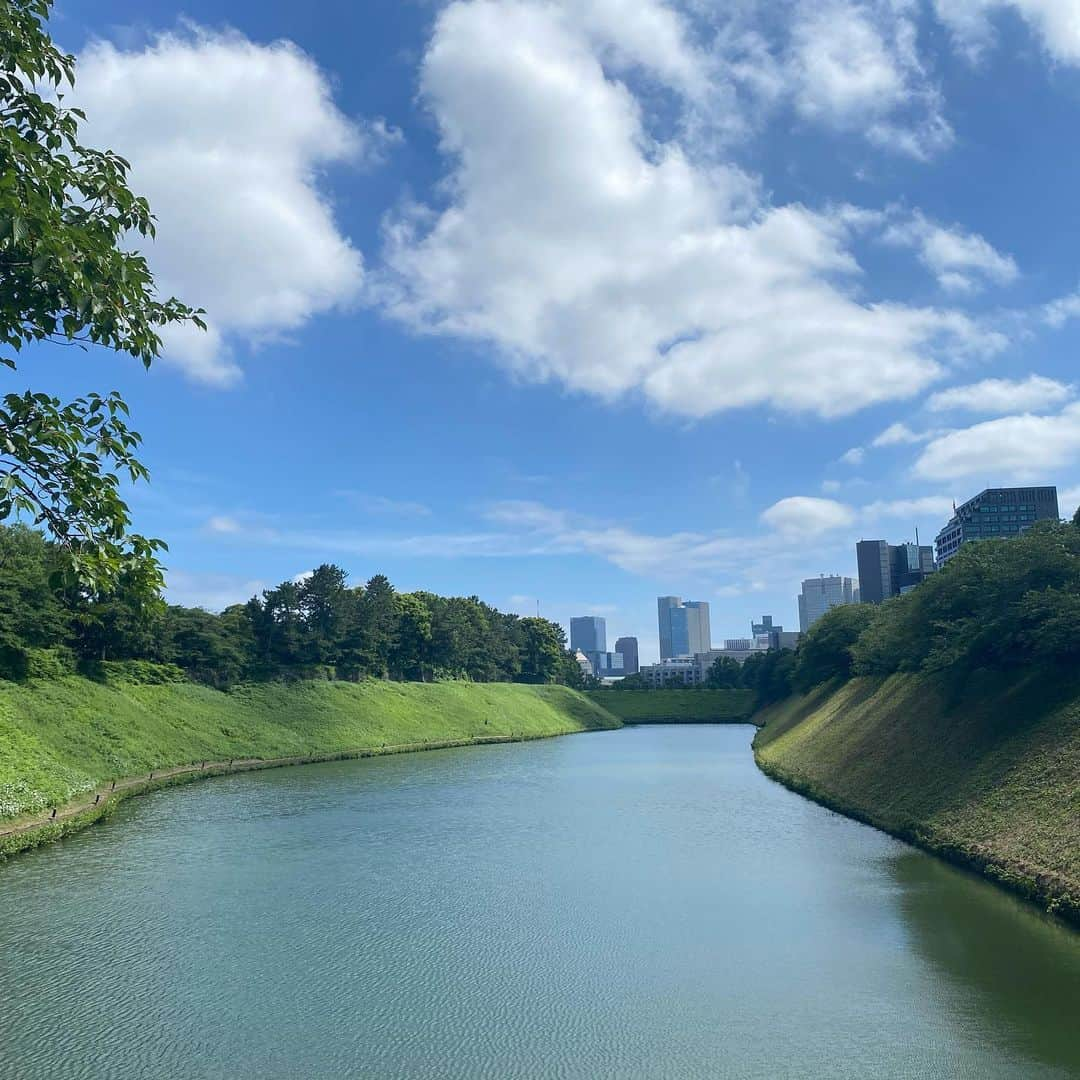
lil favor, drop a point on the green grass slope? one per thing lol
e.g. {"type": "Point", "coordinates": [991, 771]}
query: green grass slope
{"type": "Point", "coordinates": [676, 706]}
{"type": "Point", "coordinates": [60, 738]}
{"type": "Point", "coordinates": [987, 774]}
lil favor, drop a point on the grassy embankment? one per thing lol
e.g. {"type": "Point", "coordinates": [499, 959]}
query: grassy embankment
{"type": "Point", "coordinates": [63, 738]}
{"type": "Point", "coordinates": [986, 774]}
{"type": "Point", "coordinates": [677, 706]}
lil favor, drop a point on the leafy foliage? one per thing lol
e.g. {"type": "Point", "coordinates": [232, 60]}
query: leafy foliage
{"type": "Point", "coordinates": [995, 604]}
{"type": "Point", "coordinates": [67, 276]}
{"type": "Point", "coordinates": [317, 627]}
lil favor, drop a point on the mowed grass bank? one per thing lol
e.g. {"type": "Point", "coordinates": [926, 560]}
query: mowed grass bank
{"type": "Point", "coordinates": [986, 774]}
{"type": "Point", "coordinates": [60, 738]}
{"type": "Point", "coordinates": [677, 706]}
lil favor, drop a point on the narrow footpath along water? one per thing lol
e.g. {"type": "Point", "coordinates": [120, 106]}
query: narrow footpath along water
{"type": "Point", "coordinates": [636, 903]}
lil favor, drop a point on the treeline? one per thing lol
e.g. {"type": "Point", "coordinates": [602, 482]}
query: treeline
{"type": "Point", "coordinates": [316, 627]}
{"type": "Point", "coordinates": [995, 604]}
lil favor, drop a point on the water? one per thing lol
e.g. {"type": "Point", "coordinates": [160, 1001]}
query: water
{"type": "Point", "coordinates": [638, 903]}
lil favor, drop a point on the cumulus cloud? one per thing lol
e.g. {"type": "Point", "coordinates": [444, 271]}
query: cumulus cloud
{"type": "Point", "coordinates": [925, 506]}
{"type": "Point", "coordinates": [855, 66]}
{"type": "Point", "coordinates": [587, 253]}
{"type": "Point", "coordinates": [1026, 447]}
{"type": "Point", "coordinates": [227, 139]}
{"type": "Point", "coordinates": [1002, 395]}
{"type": "Point", "coordinates": [806, 515]}
{"type": "Point", "coordinates": [854, 456]}
{"type": "Point", "coordinates": [1056, 23]}
{"type": "Point", "coordinates": [962, 262]}
{"type": "Point", "coordinates": [899, 434]}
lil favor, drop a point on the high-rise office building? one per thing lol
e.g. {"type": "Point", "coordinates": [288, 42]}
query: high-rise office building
{"type": "Point", "coordinates": [589, 634]}
{"type": "Point", "coordinates": [627, 647]}
{"type": "Point", "coordinates": [684, 627]}
{"type": "Point", "coordinates": [891, 569]}
{"type": "Point", "coordinates": [821, 594]}
{"type": "Point", "coordinates": [664, 607]}
{"type": "Point", "coordinates": [997, 514]}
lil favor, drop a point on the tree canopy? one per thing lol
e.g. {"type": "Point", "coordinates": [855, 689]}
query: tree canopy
{"type": "Point", "coordinates": [318, 627]}
{"type": "Point", "coordinates": [69, 276]}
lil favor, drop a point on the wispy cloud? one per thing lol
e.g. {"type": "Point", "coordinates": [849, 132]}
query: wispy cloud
{"type": "Point", "coordinates": [382, 505]}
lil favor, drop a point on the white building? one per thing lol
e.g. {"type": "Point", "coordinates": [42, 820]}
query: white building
{"type": "Point", "coordinates": [822, 593]}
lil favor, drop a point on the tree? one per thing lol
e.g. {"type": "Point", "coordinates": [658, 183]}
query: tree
{"type": "Point", "coordinates": [542, 651]}
{"type": "Point", "coordinates": [66, 216]}
{"type": "Point", "coordinates": [324, 605]}
{"type": "Point", "coordinates": [410, 654]}
{"type": "Point", "coordinates": [725, 674]}
{"type": "Point", "coordinates": [825, 651]}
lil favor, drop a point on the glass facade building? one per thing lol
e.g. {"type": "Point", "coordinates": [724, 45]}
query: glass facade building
{"type": "Point", "coordinates": [890, 569]}
{"type": "Point", "coordinates": [684, 627]}
{"type": "Point", "coordinates": [821, 594]}
{"type": "Point", "coordinates": [589, 634]}
{"type": "Point", "coordinates": [996, 514]}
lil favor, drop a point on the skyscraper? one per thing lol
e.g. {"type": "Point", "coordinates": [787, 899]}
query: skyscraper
{"type": "Point", "coordinates": [628, 648]}
{"type": "Point", "coordinates": [589, 634]}
{"type": "Point", "coordinates": [891, 569]}
{"type": "Point", "coordinates": [996, 513]}
{"type": "Point", "coordinates": [664, 607]}
{"type": "Point", "coordinates": [684, 627]}
{"type": "Point", "coordinates": [819, 595]}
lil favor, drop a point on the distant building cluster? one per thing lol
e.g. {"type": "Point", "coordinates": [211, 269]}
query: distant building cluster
{"type": "Point", "coordinates": [588, 643]}
{"type": "Point", "coordinates": [692, 667]}
{"type": "Point", "coordinates": [885, 570]}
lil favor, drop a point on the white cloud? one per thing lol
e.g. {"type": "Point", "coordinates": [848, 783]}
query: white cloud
{"type": "Point", "coordinates": [1055, 22]}
{"type": "Point", "coordinates": [854, 456]}
{"type": "Point", "coordinates": [926, 506]}
{"type": "Point", "coordinates": [223, 525]}
{"type": "Point", "coordinates": [1002, 395]}
{"type": "Point", "coordinates": [226, 139]}
{"type": "Point", "coordinates": [962, 262]}
{"type": "Point", "coordinates": [1025, 447]}
{"type": "Point", "coordinates": [1060, 311]}
{"type": "Point", "coordinates": [587, 253]}
{"type": "Point", "coordinates": [901, 435]}
{"type": "Point", "coordinates": [808, 516]}
{"type": "Point", "coordinates": [1069, 501]}
{"type": "Point", "coordinates": [855, 66]}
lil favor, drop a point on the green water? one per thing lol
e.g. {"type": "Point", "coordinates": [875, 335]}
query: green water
{"type": "Point", "coordinates": [637, 903]}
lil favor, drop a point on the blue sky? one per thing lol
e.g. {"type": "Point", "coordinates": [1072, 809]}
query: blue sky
{"type": "Point", "coordinates": [582, 301]}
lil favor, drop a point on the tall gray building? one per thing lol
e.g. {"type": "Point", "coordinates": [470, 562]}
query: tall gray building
{"type": "Point", "coordinates": [821, 594]}
{"type": "Point", "coordinates": [627, 647]}
{"type": "Point", "coordinates": [589, 634]}
{"type": "Point", "coordinates": [891, 569]}
{"type": "Point", "coordinates": [684, 627]}
{"type": "Point", "coordinates": [996, 514]}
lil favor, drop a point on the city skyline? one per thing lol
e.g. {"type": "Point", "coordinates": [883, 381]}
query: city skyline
{"type": "Point", "coordinates": [884, 569]}
{"type": "Point", "coordinates": [507, 428]}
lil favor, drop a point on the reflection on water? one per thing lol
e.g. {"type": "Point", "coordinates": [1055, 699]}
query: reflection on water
{"type": "Point", "coordinates": [619, 905]}
{"type": "Point", "coordinates": [1018, 970]}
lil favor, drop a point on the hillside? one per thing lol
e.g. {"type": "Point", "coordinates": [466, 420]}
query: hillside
{"type": "Point", "coordinates": [62, 737]}
{"type": "Point", "coordinates": [985, 772]}
{"type": "Point", "coordinates": [676, 706]}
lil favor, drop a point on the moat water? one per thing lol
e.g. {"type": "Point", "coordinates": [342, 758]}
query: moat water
{"type": "Point", "coordinates": [636, 903]}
